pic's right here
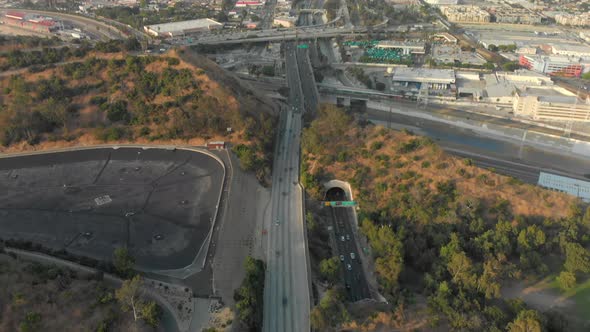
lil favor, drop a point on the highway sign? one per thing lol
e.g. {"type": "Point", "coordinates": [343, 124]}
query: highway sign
{"type": "Point", "coordinates": [303, 46]}
{"type": "Point", "coordinates": [340, 203]}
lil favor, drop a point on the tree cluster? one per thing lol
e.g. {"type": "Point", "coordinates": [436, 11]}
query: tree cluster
{"type": "Point", "coordinates": [250, 296]}
{"type": "Point", "coordinates": [463, 248]}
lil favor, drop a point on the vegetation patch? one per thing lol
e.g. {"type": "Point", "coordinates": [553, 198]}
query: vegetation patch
{"type": "Point", "coordinates": [452, 235]}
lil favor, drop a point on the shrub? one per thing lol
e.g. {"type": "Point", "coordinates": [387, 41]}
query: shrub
{"type": "Point", "coordinates": [425, 164]}
{"type": "Point", "coordinates": [117, 111]}
{"type": "Point", "coordinates": [173, 61]}
{"type": "Point", "coordinates": [566, 280]}
{"type": "Point", "coordinates": [376, 145]}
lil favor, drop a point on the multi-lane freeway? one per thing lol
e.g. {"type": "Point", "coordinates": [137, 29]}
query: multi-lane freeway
{"type": "Point", "coordinates": [354, 278]}
{"type": "Point", "coordinates": [286, 290]}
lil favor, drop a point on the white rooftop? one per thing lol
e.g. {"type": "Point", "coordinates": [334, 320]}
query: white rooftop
{"type": "Point", "coordinates": [570, 186]}
{"type": "Point", "coordinates": [445, 76]}
{"type": "Point", "coordinates": [183, 25]}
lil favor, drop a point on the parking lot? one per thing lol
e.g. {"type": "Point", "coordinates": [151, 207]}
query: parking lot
{"type": "Point", "coordinates": [159, 203]}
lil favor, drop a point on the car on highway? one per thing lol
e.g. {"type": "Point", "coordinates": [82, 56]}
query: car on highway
{"type": "Point", "coordinates": [348, 267]}
{"type": "Point", "coordinates": [277, 222]}
{"type": "Point", "coordinates": [348, 237]}
{"type": "Point", "coordinates": [352, 255]}
{"type": "Point", "coordinates": [342, 258]}
{"type": "Point", "coordinates": [342, 238]}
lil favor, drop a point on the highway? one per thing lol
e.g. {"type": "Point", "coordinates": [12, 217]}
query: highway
{"type": "Point", "coordinates": [286, 291]}
{"type": "Point", "coordinates": [354, 278]}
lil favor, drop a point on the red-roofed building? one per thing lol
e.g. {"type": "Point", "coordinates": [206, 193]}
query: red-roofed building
{"type": "Point", "coordinates": [30, 22]}
{"type": "Point", "coordinates": [15, 15]}
{"type": "Point", "coordinates": [240, 4]}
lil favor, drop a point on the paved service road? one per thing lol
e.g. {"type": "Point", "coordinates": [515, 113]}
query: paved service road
{"type": "Point", "coordinates": [354, 278]}
{"type": "Point", "coordinates": [286, 291]}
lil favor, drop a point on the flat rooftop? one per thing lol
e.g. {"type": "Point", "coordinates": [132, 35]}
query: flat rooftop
{"type": "Point", "coordinates": [400, 44]}
{"type": "Point", "coordinates": [183, 25]}
{"type": "Point", "coordinates": [424, 75]}
{"type": "Point", "coordinates": [574, 187]}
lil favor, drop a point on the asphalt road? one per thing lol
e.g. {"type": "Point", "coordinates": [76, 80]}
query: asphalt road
{"type": "Point", "coordinates": [286, 291]}
{"type": "Point", "coordinates": [354, 278]}
{"type": "Point", "coordinates": [159, 203]}
{"type": "Point", "coordinates": [522, 162]}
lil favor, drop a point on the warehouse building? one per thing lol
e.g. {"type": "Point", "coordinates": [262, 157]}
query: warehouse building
{"type": "Point", "coordinates": [574, 187]}
{"type": "Point", "coordinates": [31, 22]}
{"type": "Point", "coordinates": [413, 82]}
{"type": "Point", "coordinates": [182, 28]}
{"type": "Point", "coordinates": [542, 105]}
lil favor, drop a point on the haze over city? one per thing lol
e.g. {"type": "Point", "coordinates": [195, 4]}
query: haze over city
{"type": "Point", "coordinates": [304, 165]}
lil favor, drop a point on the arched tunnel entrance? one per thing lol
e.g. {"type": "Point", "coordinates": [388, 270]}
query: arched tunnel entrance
{"type": "Point", "coordinates": [335, 194]}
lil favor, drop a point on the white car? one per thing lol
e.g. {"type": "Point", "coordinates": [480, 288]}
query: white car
{"type": "Point", "coordinates": [342, 258]}
{"type": "Point", "coordinates": [352, 255]}
{"type": "Point", "coordinates": [342, 238]}
{"type": "Point", "coordinates": [348, 267]}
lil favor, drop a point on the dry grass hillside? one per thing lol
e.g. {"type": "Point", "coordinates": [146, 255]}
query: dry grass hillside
{"type": "Point", "coordinates": [378, 161]}
{"type": "Point", "coordinates": [175, 98]}
{"type": "Point", "coordinates": [444, 236]}
{"type": "Point", "coordinates": [35, 297]}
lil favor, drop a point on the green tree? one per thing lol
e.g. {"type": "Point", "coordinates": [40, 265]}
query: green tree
{"type": "Point", "coordinates": [330, 312]}
{"type": "Point", "coordinates": [312, 224]}
{"type": "Point", "coordinates": [151, 313]}
{"type": "Point", "coordinates": [330, 268]}
{"type": "Point", "coordinates": [123, 262]}
{"type": "Point", "coordinates": [586, 218]}
{"type": "Point", "coordinates": [129, 296]}
{"type": "Point", "coordinates": [268, 70]}
{"type": "Point", "coordinates": [566, 280]}
{"type": "Point", "coordinates": [31, 322]}
{"type": "Point", "coordinates": [461, 269]}
{"type": "Point", "coordinates": [249, 297]}
{"type": "Point", "coordinates": [577, 258]}
{"type": "Point", "coordinates": [526, 321]}
{"type": "Point", "coordinates": [586, 76]}
{"type": "Point", "coordinates": [510, 66]}
{"type": "Point", "coordinates": [531, 238]}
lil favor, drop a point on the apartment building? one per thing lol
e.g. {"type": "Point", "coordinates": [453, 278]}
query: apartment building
{"type": "Point", "coordinates": [466, 14]}
{"type": "Point", "coordinates": [579, 19]}
{"type": "Point", "coordinates": [539, 106]}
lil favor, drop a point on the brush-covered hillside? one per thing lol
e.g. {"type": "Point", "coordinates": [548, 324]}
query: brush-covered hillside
{"type": "Point", "coordinates": [112, 96]}
{"type": "Point", "coordinates": [452, 246]}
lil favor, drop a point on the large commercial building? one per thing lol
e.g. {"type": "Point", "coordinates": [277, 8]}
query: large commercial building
{"type": "Point", "coordinates": [555, 65]}
{"type": "Point", "coordinates": [540, 105]}
{"type": "Point", "coordinates": [32, 22]}
{"type": "Point", "coordinates": [574, 187]}
{"type": "Point", "coordinates": [407, 48]}
{"type": "Point", "coordinates": [574, 50]}
{"type": "Point", "coordinates": [465, 14]}
{"type": "Point", "coordinates": [582, 19]}
{"type": "Point", "coordinates": [422, 82]}
{"type": "Point", "coordinates": [182, 28]}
